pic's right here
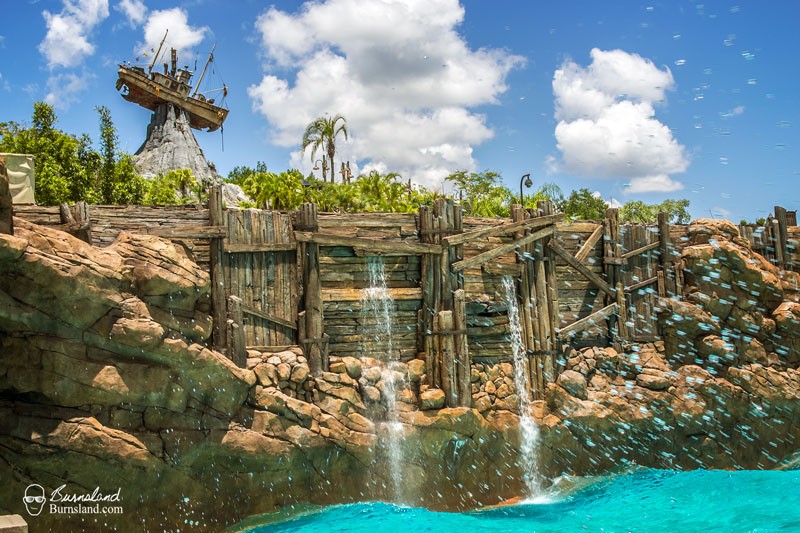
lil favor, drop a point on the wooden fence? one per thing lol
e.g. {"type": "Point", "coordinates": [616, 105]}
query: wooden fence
{"type": "Point", "coordinates": [282, 279]}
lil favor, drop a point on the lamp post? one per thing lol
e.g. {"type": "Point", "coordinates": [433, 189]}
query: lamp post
{"type": "Point", "coordinates": [324, 168]}
{"type": "Point", "coordinates": [528, 183]}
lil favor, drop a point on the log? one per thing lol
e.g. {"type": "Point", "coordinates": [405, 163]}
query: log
{"type": "Point", "coordinates": [552, 300]}
{"type": "Point", "coordinates": [447, 358]}
{"type": "Point", "coordinates": [237, 350]}
{"type": "Point", "coordinates": [641, 250]}
{"type": "Point", "coordinates": [623, 332]}
{"type": "Point", "coordinates": [504, 229]}
{"type": "Point", "coordinates": [269, 318]}
{"type": "Point", "coordinates": [373, 246]}
{"type": "Point", "coordinates": [580, 267]}
{"type": "Point", "coordinates": [502, 249]}
{"type": "Point", "coordinates": [218, 289]}
{"type": "Point", "coordinates": [782, 235]}
{"type": "Point", "coordinates": [588, 247]}
{"type": "Point", "coordinates": [665, 256]}
{"type": "Point", "coordinates": [189, 232]}
{"type": "Point", "coordinates": [343, 295]}
{"type": "Point", "coordinates": [6, 201]}
{"type": "Point", "coordinates": [641, 284]}
{"type": "Point", "coordinates": [463, 361]}
{"type": "Point", "coordinates": [587, 322]}
{"type": "Point", "coordinates": [315, 345]}
{"type": "Point", "coordinates": [260, 247]}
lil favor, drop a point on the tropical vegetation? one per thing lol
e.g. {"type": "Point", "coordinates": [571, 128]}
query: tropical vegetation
{"type": "Point", "coordinates": [69, 169]}
{"type": "Point", "coordinates": [321, 134]}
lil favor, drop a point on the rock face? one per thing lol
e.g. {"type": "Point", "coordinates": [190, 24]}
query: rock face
{"type": "Point", "coordinates": [106, 380]}
{"type": "Point", "coordinates": [171, 144]}
{"type": "Point", "coordinates": [721, 390]}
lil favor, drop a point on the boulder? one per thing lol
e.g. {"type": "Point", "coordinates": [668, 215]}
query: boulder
{"type": "Point", "coordinates": [431, 399]}
{"type": "Point", "coordinates": [574, 383]}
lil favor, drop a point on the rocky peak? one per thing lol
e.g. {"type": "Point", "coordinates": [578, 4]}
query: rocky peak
{"type": "Point", "coordinates": [171, 144]}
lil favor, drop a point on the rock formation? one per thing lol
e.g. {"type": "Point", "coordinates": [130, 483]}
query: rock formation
{"type": "Point", "coordinates": [170, 144]}
{"type": "Point", "coordinates": [106, 381]}
{"type": "Point", "coordinates": [721, 391]}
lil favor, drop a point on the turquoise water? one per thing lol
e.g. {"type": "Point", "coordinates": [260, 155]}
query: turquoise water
{"type": "Point", "coordinates": [660, 501]}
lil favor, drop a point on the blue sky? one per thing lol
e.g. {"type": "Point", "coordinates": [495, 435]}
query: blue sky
{"type": "Point", "coordinates": [634, 100]}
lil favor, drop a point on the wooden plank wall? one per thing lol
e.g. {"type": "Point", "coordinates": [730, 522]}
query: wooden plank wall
{"type": "Point", "coordinates": [266, 281]}
{"type": "Point", "coordinates": [109, 220]}
{"type": "Point", "coordinates": [642, 310]}
{"type": "Point", "coordinates": [488, 327]}
{"type": "Point", "coordinates": [344, 273]}
{"type": "Point", "coordinates": [578, 297]}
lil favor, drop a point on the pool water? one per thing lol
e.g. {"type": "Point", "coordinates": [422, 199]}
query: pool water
{"type": "Point", "coordinates": [649, 500]}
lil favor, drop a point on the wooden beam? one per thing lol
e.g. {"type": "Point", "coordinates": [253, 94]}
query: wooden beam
{"type": "Point", "coordinates": [261, 247]}
{"type": "Point", "coordinates": [586, 322]}
{"type": "Point", "coordinates": [237, 352]}
{"type": "Point", "coordinates": [580, 267]}
{"type": "Point", "coordinates": [219, 299]}
{"type": "Point", "coordinates": [587, 248]}
{"type": "Point", "coordinates": [6, 202]}
{"type": "Point", "coordinates": [354, 295]}
{"type": "Point", "coordinates": [273, 349]}
{"type": "Point", "coordinates": [643, 283]}
{"type": "Point", "coordinates": [372, 245]}
{"type": "Point", "coordinates": [503, 249]}
{"type": "Point", "coordinates": [494, 231]}
{"type": "Point", "coordinates": [642, 250]}
{"type": "Point", "coordinates": [269, 318]}
{"type": "Point", "coordinates": [192, 232]}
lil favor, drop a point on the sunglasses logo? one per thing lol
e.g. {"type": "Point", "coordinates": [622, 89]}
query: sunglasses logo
{"type": "Point", "coordinates": [34, 499]}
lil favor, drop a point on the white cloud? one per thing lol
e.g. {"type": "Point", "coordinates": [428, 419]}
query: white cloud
{"type": "Point", "coordinates": [63, 89]}
{"type": "Point", "coordinates": [66, 43]}
{"type": "Point", "coordinates": [181, 35]}
{"type": "Point", "coordinates": [658, 183]}
{"type": "Point", "coordinates": [398, 71]}
{"type": "Point", "coordinates": [614, 203]}
{"type": "Point", "coordinates": [607, 126]}
{"type": "Point", "coordinates": [134, 10]}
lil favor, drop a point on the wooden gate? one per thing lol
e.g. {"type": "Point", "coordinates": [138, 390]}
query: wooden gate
{"type": "Point", "coordinates": [259, 264]}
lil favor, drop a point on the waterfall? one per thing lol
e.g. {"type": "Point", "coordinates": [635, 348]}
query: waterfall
{"type": "Point", "coordinates": [529, 433]}
{"type": "Point", "coordinates": [376, 308]}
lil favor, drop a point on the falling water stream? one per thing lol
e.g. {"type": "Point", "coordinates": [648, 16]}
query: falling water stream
{"type": "Point", "coordinates": [376, 309]}
{"type": "Point", "coordinates": [529, 432]}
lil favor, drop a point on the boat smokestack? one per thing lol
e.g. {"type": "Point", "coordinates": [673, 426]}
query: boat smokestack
{"type": "Point", "coordinates": [174, 58]}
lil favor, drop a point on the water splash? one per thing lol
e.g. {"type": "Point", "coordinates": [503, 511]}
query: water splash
{"type": "Point", "coordinates": [529, 432]}
{"type": "Point", "coordinates": [376, 309]}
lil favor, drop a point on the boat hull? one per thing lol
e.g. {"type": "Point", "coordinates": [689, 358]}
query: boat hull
{"type": "Point", "coordinates": [149, 94]}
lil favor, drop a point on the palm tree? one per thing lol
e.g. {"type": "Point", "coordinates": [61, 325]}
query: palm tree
{"type": "Point", "coordinates": [322, 134]}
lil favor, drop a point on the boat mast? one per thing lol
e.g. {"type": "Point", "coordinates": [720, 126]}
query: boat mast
{"type": "Point", "coordinates": [155, 57]}
{"type": "Point", "coordinates": [200, 79]}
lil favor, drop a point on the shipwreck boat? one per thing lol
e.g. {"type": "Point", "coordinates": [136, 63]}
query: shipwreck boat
{"type": "Point", "coordinates": [150, 89]}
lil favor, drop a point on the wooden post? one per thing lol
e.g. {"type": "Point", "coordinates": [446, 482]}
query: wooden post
{"type": "Point", "coordinates": [447, 357]}
{"type": "Point", "coordinates": [6, 203]}
{"type": "Point", "coordinates": [665, 259]}
{"type": "Point", "coordinates": [526, 296]}
{"type": "Point", "coordinates": [552, 301]}
{"type": "Point", "coordinates": [776, 243]}
{"type": "Point", "coordinates": [463, 360]}
{"type": "Point", "coordinates": [237, 351]}
{"type": "Point", "coordinates": [314, 344]}
{"type": "Point", "coordinates": [610, 254]}
{"type": "Point", "coordinates": [425, 339]}
{"type": "Point", "coordinates": [782, 236]}
{"type": "Point", "coordinates": [622, 313]}
{"type": "Point", "coordinates": [219, 290]}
